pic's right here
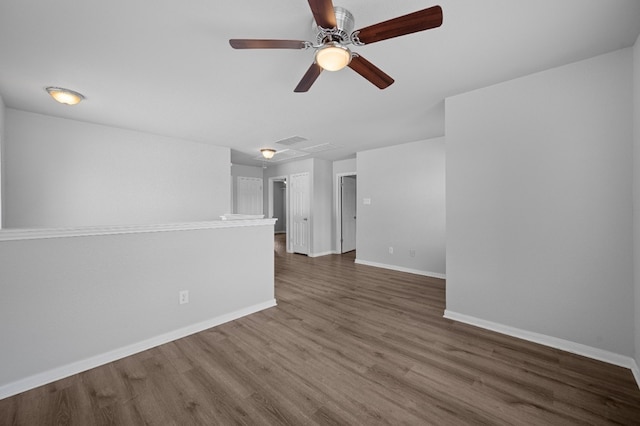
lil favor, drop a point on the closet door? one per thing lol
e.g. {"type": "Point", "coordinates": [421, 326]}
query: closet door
{"type": "Point", "coordinates": [249, 195]}
{"type": "Point", "coordinates": [300, 207]}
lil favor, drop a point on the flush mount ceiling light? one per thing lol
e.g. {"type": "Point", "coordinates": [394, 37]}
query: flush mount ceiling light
{"type": "Point", "coordinates": [65, 96]}
{"type": "Point", "coordinates": [333, 57]}
{"type": "Point", "coordinates": [268, 153]}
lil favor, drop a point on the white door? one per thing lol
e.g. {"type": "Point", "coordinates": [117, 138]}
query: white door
{"type": "Point", "coordinates": [348, 206]}
{"type": "Point", "coordinates": [299, 201]}
{"type": "Point", "coordinates": [249, 195]}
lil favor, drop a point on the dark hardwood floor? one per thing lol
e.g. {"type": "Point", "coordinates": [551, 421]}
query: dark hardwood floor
{"type": "Point", "coordinates": [347, 345]}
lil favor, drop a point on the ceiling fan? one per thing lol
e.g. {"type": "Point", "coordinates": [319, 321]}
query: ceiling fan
{"type": "Point", "coordinates": [334, 31]}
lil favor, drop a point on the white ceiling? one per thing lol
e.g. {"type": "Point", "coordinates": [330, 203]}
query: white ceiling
{"type": "Point", "coordinates": [166, 67]}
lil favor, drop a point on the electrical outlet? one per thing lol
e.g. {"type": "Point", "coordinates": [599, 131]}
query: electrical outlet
{"type": "Point", "coordinates": [412, 253]}
{"type": "Point", "coordinates": [184, 296]}
{"type": "Point", "coordinates": [390, 250]}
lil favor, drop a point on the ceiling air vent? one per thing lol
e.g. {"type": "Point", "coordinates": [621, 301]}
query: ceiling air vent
{"type": "Point", "coordinates": [291, 141]}
{"type": "Point", "coordinates": [319, 148]}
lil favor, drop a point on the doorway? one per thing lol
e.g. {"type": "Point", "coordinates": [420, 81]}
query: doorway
{"type": "Point", "coordinates": [346, 212]}
{"type": "Point", "coordinates": [278, 200]}
{"type": "Point", "coordinates": [278, 203]}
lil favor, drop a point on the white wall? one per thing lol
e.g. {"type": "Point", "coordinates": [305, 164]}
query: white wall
{"type": "Point", "coordinates": [344, 166]}
{"type": "Point", "coordinates": [539, 206]}
{"type": "Point", "coordinates": [322, 207]}
{"type": "Point", "coordinates": [69, 304]}
{"type": "Point", "coordinates": [2, 139]}
{"type": "Point", "coordinates": [636, 197]}
{"type": "Point", "coordinates": [66, 173]}
{"type": "Point", "coordinates": [246, 171]}
{"type": "Point", "coordinates": [406, 186]}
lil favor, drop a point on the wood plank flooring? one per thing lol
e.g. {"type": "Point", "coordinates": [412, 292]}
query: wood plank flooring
{"type": "Point", "coordinates": [347, 345]}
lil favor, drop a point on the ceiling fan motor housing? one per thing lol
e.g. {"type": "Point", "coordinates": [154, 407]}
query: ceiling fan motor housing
{"type": "Point", "coordinates": [344, 27]}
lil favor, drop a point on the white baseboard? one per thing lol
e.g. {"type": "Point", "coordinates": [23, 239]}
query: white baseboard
{"type": "Point", "coordinates": [58, 373]}
{"type": "Point", "coordinates": [554, 342]}
{"type": "Point", "coordinates": [402, 269]}
{"type": "Point", "coordinates": [636, 372]}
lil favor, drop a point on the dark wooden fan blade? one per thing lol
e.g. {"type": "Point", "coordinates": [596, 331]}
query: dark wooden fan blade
{"type": "Point", "coordinates": [308, 78]}
{"type": "Point", "coordinates": [323, 13]}
{"type": "Point", "coordinates": [407, 24]}
{"type": "Point", "coordinates": [242, 43]}
{"type": "Point", "coordinates": [369, 71]}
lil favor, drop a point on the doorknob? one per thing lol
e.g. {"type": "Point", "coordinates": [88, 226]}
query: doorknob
{"type": "Point", "coordinates": [305, 218]}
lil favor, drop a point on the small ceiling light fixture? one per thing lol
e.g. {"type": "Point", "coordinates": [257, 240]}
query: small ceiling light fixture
{"type": "Point", "coordinates": [333, 56]}
{"type": "Point", "coordinates": [65, 96]}
{"type": "Point", "coordinates": [268, 153]}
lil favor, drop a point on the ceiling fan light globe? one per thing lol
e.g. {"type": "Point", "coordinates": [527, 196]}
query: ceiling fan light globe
{"type": "Point", "coordinates": [333, 57]}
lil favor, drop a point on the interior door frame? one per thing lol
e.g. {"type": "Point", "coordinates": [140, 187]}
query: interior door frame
{"type": "Point", "coordinates": [338, 211]}
{"type": "Point", "coordinates": [272, 180]}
